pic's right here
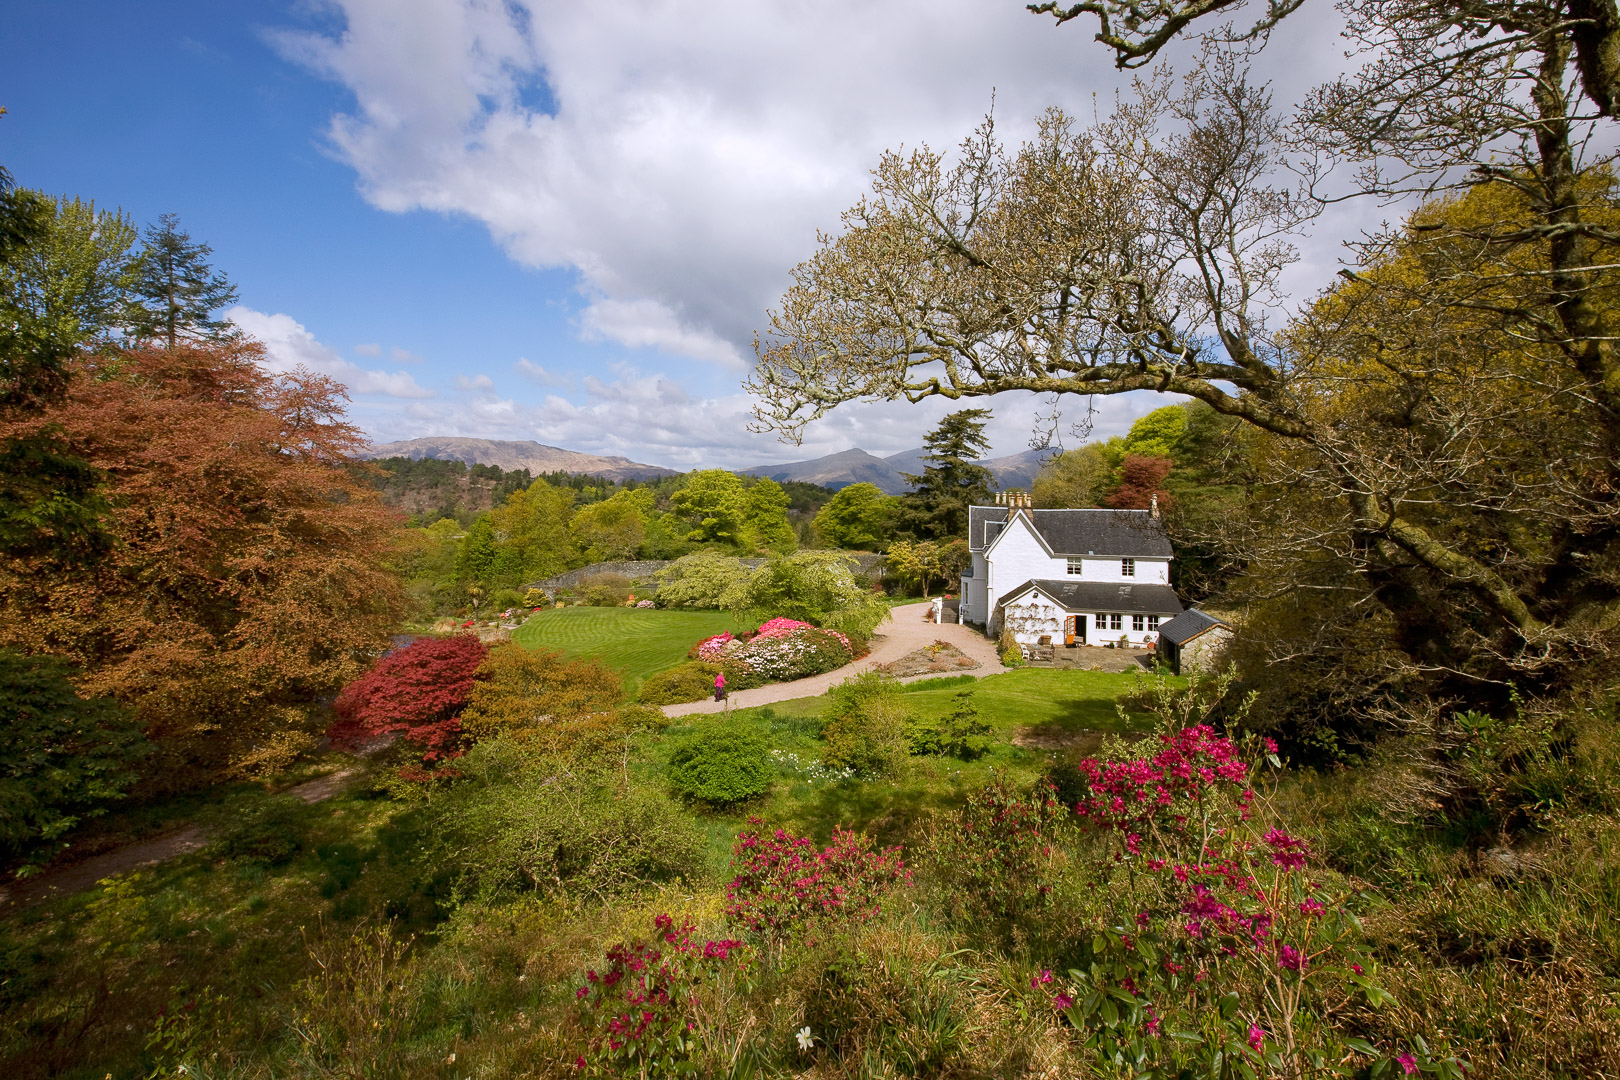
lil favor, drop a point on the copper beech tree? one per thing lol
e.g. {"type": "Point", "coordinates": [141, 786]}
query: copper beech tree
{"type": "Point", "coordinates": [1445, 426]}
{"type": "Point", "coordinates": [247, 575]}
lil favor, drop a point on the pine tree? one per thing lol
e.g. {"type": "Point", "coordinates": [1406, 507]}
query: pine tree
{"type": "Point", "coordinates": [178, 290]}
{"type": "Point", "coordinates": [937, 509]}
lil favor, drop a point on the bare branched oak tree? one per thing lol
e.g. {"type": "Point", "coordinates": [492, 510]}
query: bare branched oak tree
{"type": "Point", "coordinates": [1445, 422]}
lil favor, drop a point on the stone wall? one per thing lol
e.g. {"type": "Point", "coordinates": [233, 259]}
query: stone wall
{"type": "Point", "coordinates": [644, 571]}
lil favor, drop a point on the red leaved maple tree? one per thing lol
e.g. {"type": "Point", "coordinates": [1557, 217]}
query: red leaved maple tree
{"type": "Point", "coordinates": [417, 692]}
{"type": "Point", "coordinates": [248, 575]}
{"type": "Point", "coordinates": [1141, 477]}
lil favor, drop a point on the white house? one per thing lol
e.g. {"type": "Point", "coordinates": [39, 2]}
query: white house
{"type": "Point", "coordinates": [1073, 576]}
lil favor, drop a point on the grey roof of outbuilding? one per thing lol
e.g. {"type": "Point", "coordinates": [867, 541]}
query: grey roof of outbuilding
{"type": "Point", "coordinates": [1104, 596]}
{"type": "Point", "coordinates": [1119, 533]}
{"type": "Point", "coordinates": [1188, 625]}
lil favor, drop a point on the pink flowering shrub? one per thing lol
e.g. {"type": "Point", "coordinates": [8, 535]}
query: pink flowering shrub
{"type": "Point", "coordinates": [1230, 957]}
{"type": "Point", "coordinates": [792, 654]}
{"type": "Point", "coordinates": [710, 649]}
{"type": "Point", "coordinates": [645, 1009]}
{"type": "Point", "coordinates": [783, 883]}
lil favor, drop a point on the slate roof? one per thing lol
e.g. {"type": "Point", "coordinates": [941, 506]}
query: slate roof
{"type": "Point", "coordinates": [1086, 596]}
{"type": "Point", "coordinates": [1188, 625]}
{"type": "Point", "coordinates": [1117, 533]}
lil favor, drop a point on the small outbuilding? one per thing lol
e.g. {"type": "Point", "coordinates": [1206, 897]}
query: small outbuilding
{"type": "Point", "coordinates": [1193, 641]}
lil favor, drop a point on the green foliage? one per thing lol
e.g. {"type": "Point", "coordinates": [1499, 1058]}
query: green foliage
{"type": "Point", "coordinates": [1072, 480]}
{"type": "Point", "coordinates": [959, 734]}
{"type": "Point", "coordinates": [268, 834]}
{"type": "Point", "coordinates": [176, 290]}
{"type": "Point", "coordinates": [691, 681]}
{"type": "Point", "coordinates": [71, 285]}
{"type": "Point", "coordinates": [950, 483]}
{"type": "Point", "coordinates": [475, 559]}
{"type": "Point", "coordinates": [927, 561]}
{"type": "Point", "coordinates": [765, 517]}
{"type": "Point", "coordinates": [810, 586]}
{"type": "Point", "coordinates": [531, 537]}
{"type": "Point", "coordinates": [721, 765]}
{"type": "Point", "coordinates": [700, 580]}
{"type": "Point", "coordinates": [1158, 433]}
{"type": "Point", "coordinates": [711, 501]}
{"type": "Point", "coordinates": [859, 518]}
{"type": "Point", "coordinates": [63, 757]}
{"type": "Point", "coordinates": [616, 527]}
{"type": "Point", "coordinates": [1012, 656]}
{"type": "Point", "coordinates": [866, 725]}
{"type": "Point", "coordinates": [605, 590]}
{"type": "Point", "coordinates": [528, 819]}
{"type": "Point", "coordinates": [997, 860]}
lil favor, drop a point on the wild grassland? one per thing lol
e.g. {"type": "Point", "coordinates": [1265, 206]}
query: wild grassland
{"type": "Point", "coordinates": [635, 641]}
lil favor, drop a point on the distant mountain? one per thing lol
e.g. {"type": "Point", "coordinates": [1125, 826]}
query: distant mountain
{"type": "Point", "coordinates": [859, 467]}
{"type": "Point", "coordinates": [510, 454]}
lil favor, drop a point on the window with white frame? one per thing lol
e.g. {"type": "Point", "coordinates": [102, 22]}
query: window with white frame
{"type": "Point", "coordinates": [1138, 622]}
{"type": "Point", "coordinates": [1153, 622]}
{"type": "Point", "coordinates": [1116, 621]}
{"type": "Point", "coordinates": [1076, 566]}
{"type": "Point", "coordinates": [1102, 622]}
{"type": "Point", "coordinates": [1127, 568]}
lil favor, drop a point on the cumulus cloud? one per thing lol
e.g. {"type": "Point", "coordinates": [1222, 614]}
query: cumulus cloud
{"type": "Point", "coordinates": [679, 158]}
{"type": "Point", "coordinates": [368, 350]}
{"type": "Point", "coordinates": [289, 345]}
{"type": "Point", "coordinates": [536, 373]}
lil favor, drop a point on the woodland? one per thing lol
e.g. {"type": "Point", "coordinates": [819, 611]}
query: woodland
{"type": "Point", "coordinates": [452, 822]}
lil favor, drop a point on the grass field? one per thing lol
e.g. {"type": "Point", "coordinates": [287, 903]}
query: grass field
{"type": "Point", "coordinates": [636, 641]}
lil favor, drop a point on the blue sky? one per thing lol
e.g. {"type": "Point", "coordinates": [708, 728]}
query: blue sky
{"type": "Point", "coordinates": [559, 222]}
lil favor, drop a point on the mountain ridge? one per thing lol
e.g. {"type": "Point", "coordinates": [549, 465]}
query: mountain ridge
{"type": "Point", "coordinates": [517, 454]}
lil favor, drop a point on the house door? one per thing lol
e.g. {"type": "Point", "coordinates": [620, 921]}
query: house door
{"type": "Point", "coordinates": [1072, 629]}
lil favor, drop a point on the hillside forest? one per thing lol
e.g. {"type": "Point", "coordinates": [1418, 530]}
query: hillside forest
{"type": "Point", "coordinates": [312, 766]}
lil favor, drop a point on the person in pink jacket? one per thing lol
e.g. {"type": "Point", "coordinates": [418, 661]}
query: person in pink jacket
{"type": "Point", "coordinates": [719, 686]}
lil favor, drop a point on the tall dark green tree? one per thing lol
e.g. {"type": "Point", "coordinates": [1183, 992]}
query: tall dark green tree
{"type": "Point", "coordinates": [951, 482]}
{"type": "Point", "coordinates": [177, 289]}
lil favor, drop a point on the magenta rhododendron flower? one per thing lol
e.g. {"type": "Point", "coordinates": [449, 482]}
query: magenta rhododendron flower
{"type": "Point", "coordinates": [1063, 1002]}
{"type": "Point", "coordinates": [1257, 1038]}
{"type": "Point", "coordinates": [1408, 1064]}
{"type": "Point", "coordinates": [1290, 958]}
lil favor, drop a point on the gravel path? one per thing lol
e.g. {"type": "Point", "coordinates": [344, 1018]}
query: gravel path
{"type": "Point", "coordinates": [76, 877]}
{"type": "Point", "coordinates": [905, 632]}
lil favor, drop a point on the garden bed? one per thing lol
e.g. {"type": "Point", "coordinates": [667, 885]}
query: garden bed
{"type": "Point", "coordinates": [940, 658]}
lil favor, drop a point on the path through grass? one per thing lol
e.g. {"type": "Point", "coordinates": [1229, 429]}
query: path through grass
{"type": "Point", "coordinates": [636, 641]}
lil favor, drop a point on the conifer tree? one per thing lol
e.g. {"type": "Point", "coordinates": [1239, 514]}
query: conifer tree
{"type": "Point", "coordinates": [937, 509]}
{"type": "Point", "coordinates": [177, 290]}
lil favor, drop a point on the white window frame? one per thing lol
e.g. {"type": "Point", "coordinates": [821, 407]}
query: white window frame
{"type": "Point", "coordinates": [1138, 623]}
{"type": "Point", "coordinates": [1127, 568]}
{"type": "Point", "coordinates": [1102, 622]}
{"type": "Point", "coordinates": [1153, 622]}
{"type": "Point", "coordinates": [1076, 567]}
{"type": "Point", "coordinates": [1116, 621]}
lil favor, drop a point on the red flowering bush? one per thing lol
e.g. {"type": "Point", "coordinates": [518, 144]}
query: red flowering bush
{"type": "Point", "coordinates": [1230, 960]}
{"type": "Point", "coordinates": [645, 1010]}
{"type": "Point", "coordinates": [417, 692]}
{"type": "Point", "coordinates": [1190, 788]}
{"type": "Point", "coordinates": [783, 883]}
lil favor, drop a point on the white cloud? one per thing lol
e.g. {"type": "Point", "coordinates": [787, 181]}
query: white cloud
{"type": "Point", "coordinates": [404, 356]}
{"type": "Point", "coordinates": [289, 345]}
{"type": "Point", "coordinates": [680, 158]}
{"type": "Point", "coordinates": [536, 373]}
{"type": "Point", "coordinates": [368, 350]}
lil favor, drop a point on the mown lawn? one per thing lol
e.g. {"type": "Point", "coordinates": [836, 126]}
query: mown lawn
{"type": "Point", "coordinates": [635, 641]}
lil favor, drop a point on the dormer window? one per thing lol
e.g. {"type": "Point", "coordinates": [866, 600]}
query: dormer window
{"type": "Point", "coordinates": [1127, 568]}
{"type": "Point", "coordinates": [1076, 567]}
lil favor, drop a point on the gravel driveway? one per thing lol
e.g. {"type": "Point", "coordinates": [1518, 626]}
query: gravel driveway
{"type": "Point", "coordinates": [905, 632]}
